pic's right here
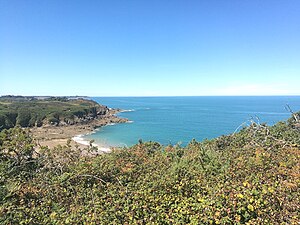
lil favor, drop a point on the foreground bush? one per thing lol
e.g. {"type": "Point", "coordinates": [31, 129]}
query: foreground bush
{"type": "Point", "coordinates": [251, 177]}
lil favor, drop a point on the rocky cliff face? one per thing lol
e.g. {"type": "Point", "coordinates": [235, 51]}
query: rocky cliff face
{"type": "Point", "coordinates": [85, 116]}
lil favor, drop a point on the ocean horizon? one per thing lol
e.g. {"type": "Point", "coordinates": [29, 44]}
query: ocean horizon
{"type": "Point", "coordinates": [179, 119]}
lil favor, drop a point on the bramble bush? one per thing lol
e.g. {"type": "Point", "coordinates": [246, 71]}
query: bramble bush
{"type": "Point", "coordinates": [250, 177]}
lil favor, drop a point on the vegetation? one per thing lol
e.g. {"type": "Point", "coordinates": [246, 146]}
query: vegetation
{"type": "Point", "coordinates": [251, 177]}
{"type": "Point", "coordinates": [32, 111]}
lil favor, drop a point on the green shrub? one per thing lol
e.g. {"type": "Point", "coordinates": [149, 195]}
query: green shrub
{"type": "Point", "coordinates": [23, 118]}
{"type": "Point", "coordinates": [53, 121]}
{"type": "Point", "coordinates": [251, 177]}
{"type": "Point", "coordinates": [28, 112]}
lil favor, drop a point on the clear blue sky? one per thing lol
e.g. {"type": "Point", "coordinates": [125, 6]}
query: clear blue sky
{"type": "Point", "coordinates": [150, 48]}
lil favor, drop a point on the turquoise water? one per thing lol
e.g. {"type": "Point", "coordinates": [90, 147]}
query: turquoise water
{"type": "Point", "coordinates": [172, 120]}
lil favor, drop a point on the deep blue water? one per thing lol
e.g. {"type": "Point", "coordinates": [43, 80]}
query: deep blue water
{"type": "Point", "coordinates": [172, 120]}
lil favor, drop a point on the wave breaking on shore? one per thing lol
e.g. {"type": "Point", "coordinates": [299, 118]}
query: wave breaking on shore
{"type": "Point", "coordinates": [81, 140]}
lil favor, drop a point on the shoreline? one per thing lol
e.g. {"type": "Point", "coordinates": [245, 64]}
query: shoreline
{"type": "Point", "coordinates": [53, 136]}
{"type": "Point", "coordinates": [81, 141]}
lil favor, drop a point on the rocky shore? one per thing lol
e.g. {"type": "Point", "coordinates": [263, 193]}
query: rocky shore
{"type": "Point", "coordinates": [53, 135]}
{"type": "Point", "coordinates": [55, 120]}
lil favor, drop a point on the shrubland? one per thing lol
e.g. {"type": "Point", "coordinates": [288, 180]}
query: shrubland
{"type": "Point", "coordinates": [32, 111]}
{"type": "Point", "coordinates": [250, 177]}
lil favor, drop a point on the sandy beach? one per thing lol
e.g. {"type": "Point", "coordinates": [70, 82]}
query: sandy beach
{"type": "Point", "coordinates": [52, 136]}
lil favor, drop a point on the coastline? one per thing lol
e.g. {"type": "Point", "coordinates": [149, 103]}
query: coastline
{"type": "Point", "coordinates": [83, 142]}
{"type": "Point", "coordinates": [53, 136]}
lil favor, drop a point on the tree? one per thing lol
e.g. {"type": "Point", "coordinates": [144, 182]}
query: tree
{"type": "Point", "coordinates": [23, 118]}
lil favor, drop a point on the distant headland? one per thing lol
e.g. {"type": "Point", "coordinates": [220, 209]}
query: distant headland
{"type": "Point", "coordinates": [54, 120]}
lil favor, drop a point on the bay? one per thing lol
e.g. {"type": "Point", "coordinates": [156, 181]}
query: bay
{"type": "Point", "coordinates": [173, 120]}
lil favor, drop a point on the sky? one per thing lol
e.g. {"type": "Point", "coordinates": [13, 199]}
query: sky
{"type": "Point", "coordinates": [149, 48]}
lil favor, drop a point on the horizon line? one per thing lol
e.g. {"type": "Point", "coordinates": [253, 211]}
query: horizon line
{"type": "Point", "coordinates": [152, 96]}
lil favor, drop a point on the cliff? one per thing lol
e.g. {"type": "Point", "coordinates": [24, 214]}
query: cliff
{"type": "Point", "coordinates": [53, 111]}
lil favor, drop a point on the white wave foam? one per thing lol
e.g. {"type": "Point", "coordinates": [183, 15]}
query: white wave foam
{"type": "Point", "coordinates": [127, 110]}
{"type": "Point", "coordinates": [80, 140]}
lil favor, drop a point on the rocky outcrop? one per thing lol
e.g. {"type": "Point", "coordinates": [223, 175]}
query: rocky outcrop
{"type": "Point", "coordinates": [100, 117]}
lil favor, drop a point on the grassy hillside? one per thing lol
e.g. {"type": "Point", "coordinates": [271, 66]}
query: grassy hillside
{"type": "Point", "coordinates": [31, 111]}
{"type": "Point", "coordinates": [251, 177]}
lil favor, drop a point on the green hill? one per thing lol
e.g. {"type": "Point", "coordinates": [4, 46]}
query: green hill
{"type": "Point", "coordinates": [251, 177]}
{"type": "Point", "coordinates": [38, 111]}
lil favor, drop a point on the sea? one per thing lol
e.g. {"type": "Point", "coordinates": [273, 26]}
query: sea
{"type": "Point", "coordinates": [178, 120]}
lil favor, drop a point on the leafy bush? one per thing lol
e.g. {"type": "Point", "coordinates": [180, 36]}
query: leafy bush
{"type": "Point", "coordinates": [251, 177]}
{"type": "Point", "coordinates": [24, 118]}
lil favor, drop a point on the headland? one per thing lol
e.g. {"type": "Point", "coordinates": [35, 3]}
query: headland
{"type": "Point", "coordinates": [54, 120]}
